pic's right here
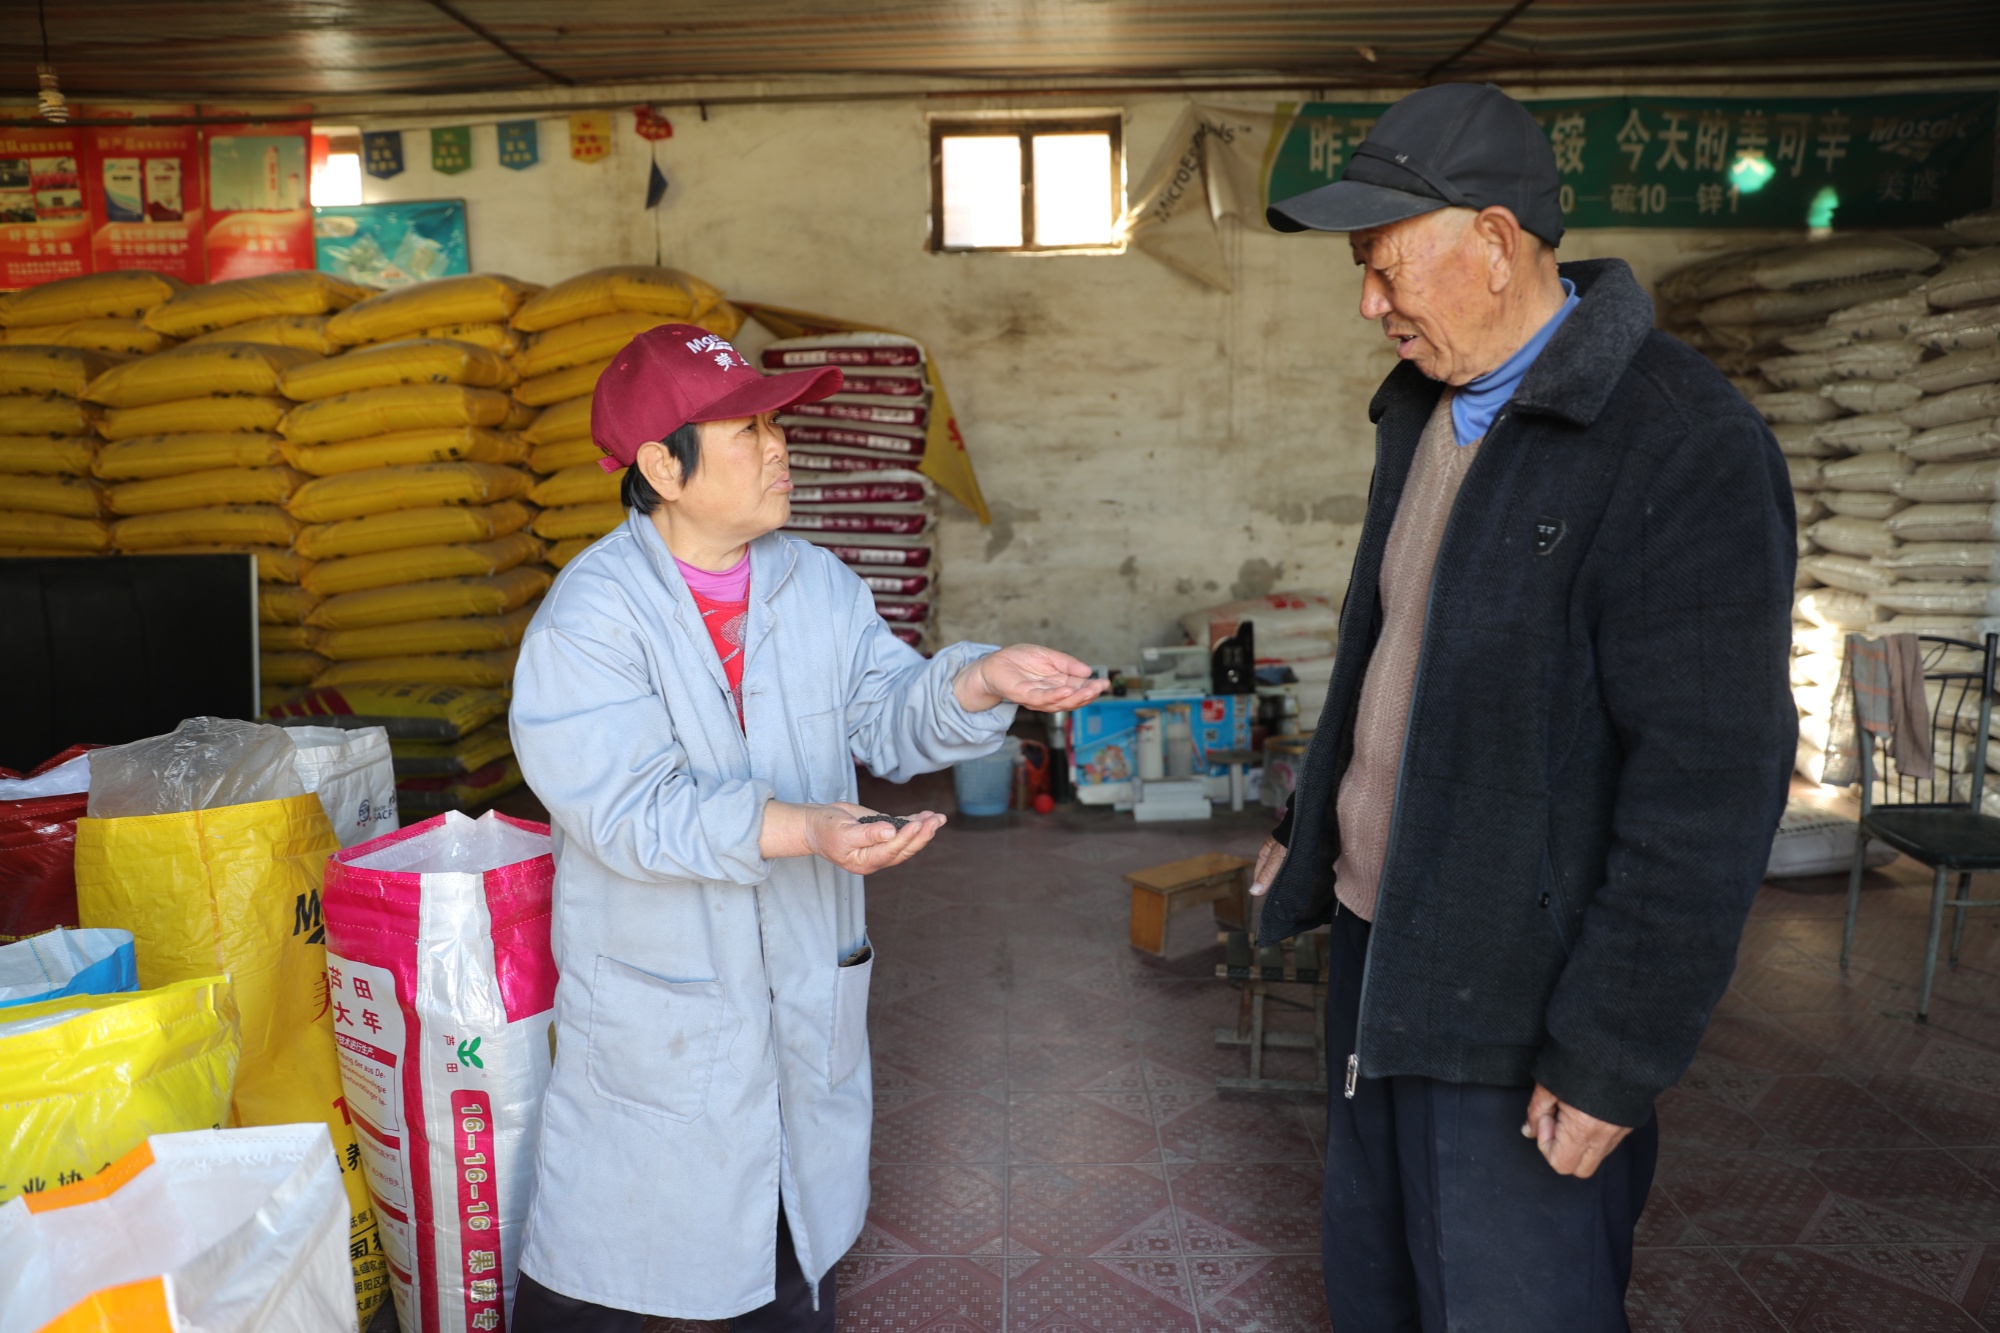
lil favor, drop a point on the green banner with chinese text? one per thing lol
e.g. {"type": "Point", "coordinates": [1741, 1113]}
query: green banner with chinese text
{"type": "Point", "coordinates": [1905, 160]}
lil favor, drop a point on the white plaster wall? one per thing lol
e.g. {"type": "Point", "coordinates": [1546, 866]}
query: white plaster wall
{"type": "Point", "coordinates": [1147, 445]}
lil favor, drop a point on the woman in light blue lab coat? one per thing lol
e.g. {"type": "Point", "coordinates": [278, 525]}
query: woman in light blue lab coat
{"type": "Point", "coordinates": [689, 704]}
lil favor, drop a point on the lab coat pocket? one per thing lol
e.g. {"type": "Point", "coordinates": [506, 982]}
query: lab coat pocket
{"type": "Point", "coordinates": [652, 1041]}
{"type": "Point", "coordinates": [824, 760]}
{"type": "Point", "coordinates": [850, 1018]}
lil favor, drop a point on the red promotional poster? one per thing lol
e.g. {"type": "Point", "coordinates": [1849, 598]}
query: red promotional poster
{"type": "Point", "coordinates": [145, 192]}
{"type": "Point", "coordinates": [259, 210]}
{"type": "Point", "coordinates": [44, 225]}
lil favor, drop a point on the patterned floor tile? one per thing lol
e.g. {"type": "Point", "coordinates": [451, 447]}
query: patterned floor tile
{"type": "Point", "coordinates": [918, 1296]}
{"type": "Point", "coordinates": [1692, 1291]}
{"type": "Point", "coordinates": [1260, 1293]}
{"type": "Point", "coordinates": [1839, 1290]}
{"type": "Point", "coordinates": [1084, 1210]}
{"type": "Point", "coordinates": [1741, 1198]}
{"type": "Point", "coordinates": [1691, 1122]}
{"type": "Point", "coordinates": [1070, 1061]}
{"type": "Point", "coordinates": [933, 1209]}
{"type": "Point", "coordinates": [944, 1127]}
{"type": "Point", "coordinates": [1235, 1128]}
{"type": "Point", "coordinates": [1079, 1127]}
{"type": "Point", "coordinates": [1815, 1111]}
{"type": "Point", "coordinates": [1094, 1296]}
{"type": "Point", "coordinates": [1946, 1114]}
{"type": "Point", "coordinates": [1248, 1207]}
{"type": "Point", "coordinates": [1923, 1195]}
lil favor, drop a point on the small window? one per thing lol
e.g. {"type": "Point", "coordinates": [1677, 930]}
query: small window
{"type": "Point", "coordinates": [336, 167]}
{"type": "Point", "coordinates": [1025, 185]}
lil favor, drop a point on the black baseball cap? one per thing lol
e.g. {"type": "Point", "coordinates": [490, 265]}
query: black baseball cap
{"type": "Point", "coordinates": [1463, 145]}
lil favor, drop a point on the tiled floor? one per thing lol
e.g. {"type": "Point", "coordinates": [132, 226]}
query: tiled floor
{"type": "Point", "coordinates": [1050, 1152]}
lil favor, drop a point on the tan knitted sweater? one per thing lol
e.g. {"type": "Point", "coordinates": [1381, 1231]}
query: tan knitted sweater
{"type": "Point", "coordinates": [1368, 789]}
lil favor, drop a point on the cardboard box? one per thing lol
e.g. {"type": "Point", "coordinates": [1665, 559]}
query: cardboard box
{"type": "Point", "coordinates": [1103, 736]}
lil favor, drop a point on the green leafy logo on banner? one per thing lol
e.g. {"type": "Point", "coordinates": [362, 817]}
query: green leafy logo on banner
{"type": "Point", "coordinates": [468, 1051]}
{"type": "Point", "coordinates": [451, 149]}
{"type": "Point", "coordinates": [520, 144]}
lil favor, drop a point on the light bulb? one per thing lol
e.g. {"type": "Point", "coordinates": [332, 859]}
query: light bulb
{"type": "Point", "coordinates": [50, 102]}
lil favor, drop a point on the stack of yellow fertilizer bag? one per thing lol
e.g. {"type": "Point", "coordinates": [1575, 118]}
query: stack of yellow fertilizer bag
{"type": "Point", "coordinates": [52, 337]}
{"type": "Point", "coordinates": [412, 507]}
{"type": "Point", "coordinates": [569, 334]}
{"type": "Point", "coordinates": [450, 742]}
{"type": "Point", "coordinates": [854, 462]}
{"type": "Point", "coordinates": [1884, 405]}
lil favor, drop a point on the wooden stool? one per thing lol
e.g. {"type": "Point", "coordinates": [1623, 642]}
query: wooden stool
{"type": "Point", "coordinates": [1297, 962]}
{"type": "Point", "coordinates": [1160, 891]}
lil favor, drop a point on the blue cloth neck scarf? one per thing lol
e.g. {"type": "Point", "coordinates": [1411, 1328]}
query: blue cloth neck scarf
{"type": "Point", "coordinates": [1477, 403]}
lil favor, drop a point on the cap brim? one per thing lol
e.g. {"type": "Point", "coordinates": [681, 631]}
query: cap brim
{"type": "Point", "coordinates": [769, 393]}
{"type": "Point", "coordinates": [1348, 205]}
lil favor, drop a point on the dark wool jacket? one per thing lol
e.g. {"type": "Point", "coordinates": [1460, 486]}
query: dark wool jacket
{"type": "Point", "coordinates": [1601, 731]}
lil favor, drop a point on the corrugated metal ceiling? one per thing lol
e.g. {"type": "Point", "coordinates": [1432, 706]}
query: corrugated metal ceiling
{"type": "Point", "coordinates": [308, 48]}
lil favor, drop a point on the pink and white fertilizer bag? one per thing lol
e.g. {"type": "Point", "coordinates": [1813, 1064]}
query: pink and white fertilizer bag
{"type": "Point", "coordinates": [443, 989]}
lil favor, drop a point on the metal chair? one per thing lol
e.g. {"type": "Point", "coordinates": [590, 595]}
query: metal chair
{"type": "Point", "coordinates": [1938, 820]}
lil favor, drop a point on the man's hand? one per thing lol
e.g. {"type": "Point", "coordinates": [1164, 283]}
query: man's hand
{"type": "Point", "coordinates": [1574, 1142]}
{"type": "Point", "coordinates": [1270, 860]}
{"type": "Point", "coordinates": [835, 834]}
{"type": "Point", "coordinates": [1029, 675]}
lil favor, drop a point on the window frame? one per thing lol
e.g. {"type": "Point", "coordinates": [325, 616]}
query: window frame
{"type": "Point", "coordinates": [1025, 128]}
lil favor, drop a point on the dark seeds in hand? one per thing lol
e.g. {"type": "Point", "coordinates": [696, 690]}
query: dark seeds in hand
{"type": "Point", "coordinates": [897, 820]}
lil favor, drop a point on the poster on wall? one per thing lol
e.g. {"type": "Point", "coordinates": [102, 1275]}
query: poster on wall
{"type": "Point", "coordinates": [44, 219]}
{"type": "Point", "coordinates": [259, 174]}
{"type": "Point", "coordinates": [392, 245]}
{"type": "Point", "coordinates": [145, 193]}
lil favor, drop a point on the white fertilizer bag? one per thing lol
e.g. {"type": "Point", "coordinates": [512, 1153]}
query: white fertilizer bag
{"type": "Point", "coordinates": [354, 776]}
{"type": "Point", "coordinates": [215, 1230]}
{"type": "Point", "coordinates": [443, 991]}
{"type": "Point", "coordinates": [1813, 841]}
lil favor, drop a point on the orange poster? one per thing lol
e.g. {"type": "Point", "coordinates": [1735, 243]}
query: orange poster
{"type": "Point", "coordinates": [259, 207]}
{"type": "Point", "coordinates": [145, 193]}
{"type": "Point", "coordinates": [44, 223]}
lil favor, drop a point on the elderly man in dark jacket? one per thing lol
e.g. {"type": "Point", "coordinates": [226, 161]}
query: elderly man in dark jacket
{"type": "Point", "coordinates": [1555, 746]}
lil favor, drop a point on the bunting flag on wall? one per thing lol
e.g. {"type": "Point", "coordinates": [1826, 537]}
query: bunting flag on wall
{"type": "Point", "coordinates": [451, 149]}
{"type": "Point", "coordinates": [590, 136]}
{"type": "Point", "coordinates": [520, 144]}
{"type": "Point", "coordinates": [382, 151]}
{"type": "Point", "coordinates": [656, 186]}
{"type": "Point", "coordinates": [650, 124]}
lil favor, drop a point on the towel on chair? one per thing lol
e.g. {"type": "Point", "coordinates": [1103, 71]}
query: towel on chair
{"type": "Point", "coordinates": [1881, 691]}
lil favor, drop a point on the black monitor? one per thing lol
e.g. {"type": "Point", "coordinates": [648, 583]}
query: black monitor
{"type": "Point", "coordinates": [109, 649]}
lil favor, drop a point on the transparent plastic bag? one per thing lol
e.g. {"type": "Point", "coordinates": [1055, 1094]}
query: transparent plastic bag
{"type": "Point", "coordinates": [203, 764]}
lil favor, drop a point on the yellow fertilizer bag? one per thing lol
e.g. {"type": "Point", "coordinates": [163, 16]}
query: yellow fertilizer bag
{"type": "Point", "coordinates": [382, 569]}
{"type": "Point", "coordinates": [64, 455]}
{"type": "Point", "coordinates": [145, 457]}
{"type": "Point", "coordinates": [438, 444]}
{"type": "Point", "coordinates": [590, 521]}
{"type": "Point", "coordinates": [283, 638]}
{"type": "Point", "coordinates": [288, 667]}
{"type": "Point", "coordinates": [235, 890]}
{"type": "Point", "coordinates": [354, 416]}
{"type": "Point", "coordinates": [412, 361]}
{"type": "Point", "coordinates": [85, 1078]}
{"type": "Point", "coordinates": [488, 745]}
{"type": "Point", "coordinates": [285, 604]}
{"type": "Point", "coordinates": [412, 527]}
{"type": "Point", "coordinates": [219, 305]}
{"type": "Point", "coordinates": [725, 321]}
{"type": "Point", "coordinates": [563, 422]}
{"type": "Point", "coordinates": [128, 294]}
{"type": "Point", "coordinates": [433, 599]}
{"type": "Point", "coordinates": [579, 484]}
{"type": "Point", "coordinates": [549, 459]}
{"type": "Point", "coordinates": [222, 525]}
{"type": "Point", "coordinates": [408, 710]}
{"type": "Point", "coordinates": [191, 416]}
{"type": "Point", "coordinates": [383, 489]}
{"type": "Point", "coordinates": [482, 298]}
{"type": "Point", "coordinates": [45, 414]}
{"type": "Point", "coordinates": [568, 549]}
{"type": "Point", "coordinates": [586, 340]}
{"type": "Point", "coordinates": [464, 634]}
{"type": "Point", "coordinates": [21, 530]}
{"type": "Point", "coordinates": [491, 671]}
{"type": "Point", "coordinates": [194, 490]}
{"type": "Point", "coordinates": [304, 331]}
{"type": "Point", "coordinates": [77, 497]}
{"type": "Point", "coordinates": [561, 385]}
{"type": "Point", "coordinates": [196, 370]}
{"type": "Point", "coordinates": [666, 295]}
{"type": "Point", "coordinates": [116, 338]}
{"type": "Point", "coordinates": [274, 563]}
{"type": "Point", "coordinates": [64, 370]}
{"type": "Point", "coordinates": [495, 337]}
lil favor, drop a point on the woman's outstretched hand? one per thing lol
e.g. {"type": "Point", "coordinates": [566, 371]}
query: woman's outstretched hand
{"type": "Point", "coordinates": [835, 833]}
{"type": "Point", "coordinates": [1029, 675]}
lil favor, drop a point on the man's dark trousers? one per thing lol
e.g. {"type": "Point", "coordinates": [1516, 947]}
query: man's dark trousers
{"type": "Point", "coordinates": [1438, 1215]}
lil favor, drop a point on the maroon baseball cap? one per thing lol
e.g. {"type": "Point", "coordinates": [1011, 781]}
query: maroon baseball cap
{"type": "Point", "coordinates": [678, 373]}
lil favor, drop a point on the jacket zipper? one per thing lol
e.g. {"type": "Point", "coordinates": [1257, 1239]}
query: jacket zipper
{"type": "Point", "coordinates": [1409, 722]}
